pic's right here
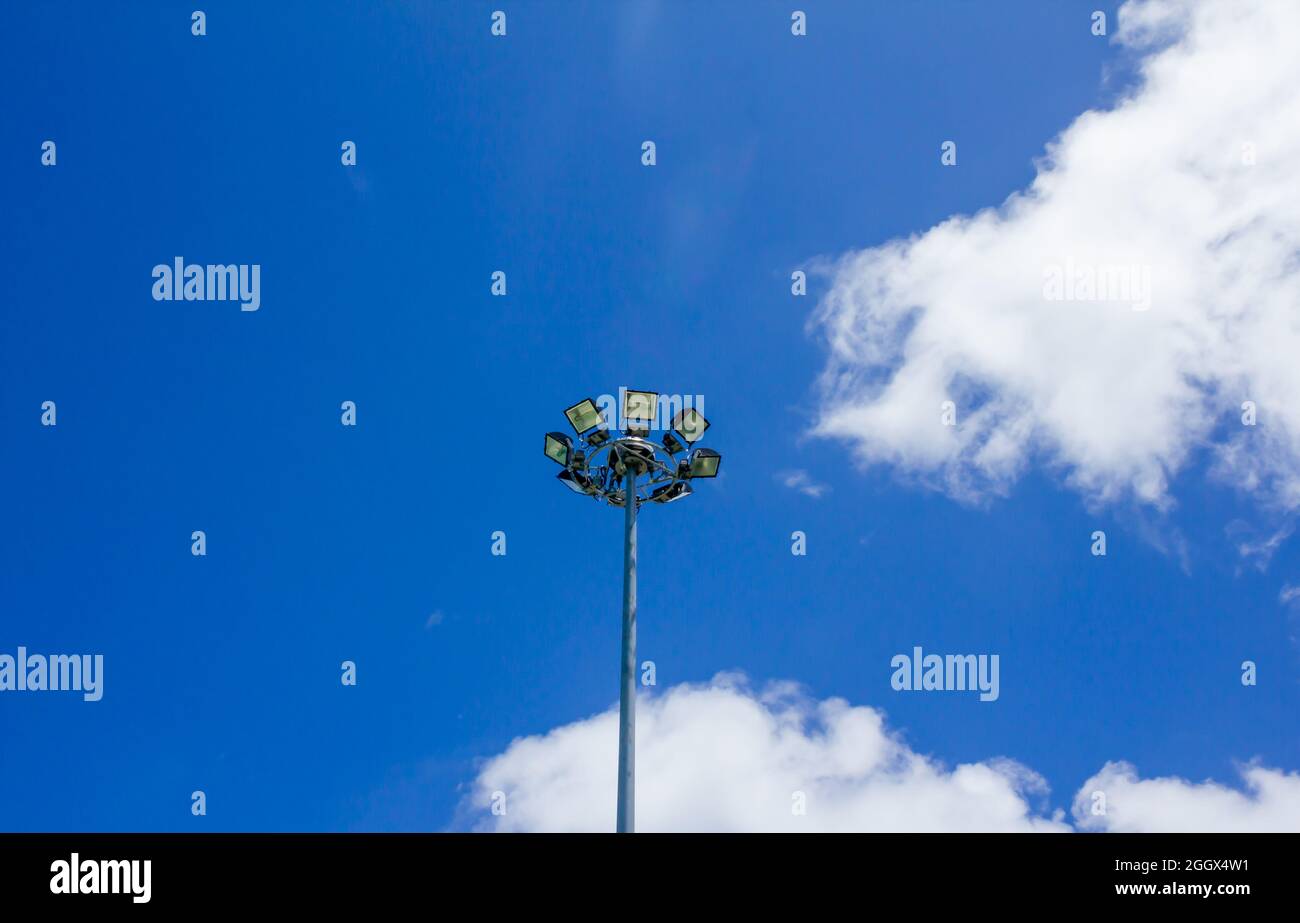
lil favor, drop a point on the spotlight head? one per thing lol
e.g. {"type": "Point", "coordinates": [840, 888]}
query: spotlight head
{"type": "Point", "coordinates": [584, 416]}
{"type": "Point", "coordinates": [704, 463]}
{"type": "Point", "coordinates": [576, 481]}
{"type": "Point", "coordinates": [670, 492]}
{"type": "Point", "coordinates": [671, 444]}
{"type": "Point", "coordinates": [690, 424]}
{"type": "Point", "coordinates": [559, 448]}
{"type": "Point", "coordinates": [640, 405]}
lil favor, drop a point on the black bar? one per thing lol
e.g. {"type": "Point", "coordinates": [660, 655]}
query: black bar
{"type": "Point", "coordinates": [208, 871]}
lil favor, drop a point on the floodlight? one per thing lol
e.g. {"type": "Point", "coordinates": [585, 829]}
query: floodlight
{"type": "Point", "coordinates": [640, 405]}
{"type": "Point", "coordinates": [690, 423]}
{"type": "Point", "coordinates": [670, 492]}
{"type": "Point", "coordinates": [584, 415]}
{"type": "Point", "coordinates": [559, 448]}
{"type": "Point", "coordinates": [704, 463]}
{"type": "Point", "coordinates": [577, 481]}
{"type": "Point", "coordinates": [671, 444]}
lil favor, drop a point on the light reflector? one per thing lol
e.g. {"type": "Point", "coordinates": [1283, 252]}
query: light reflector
{"type": "Point", "coordinates": [640, 405]}
{"type": "Point", "coordinates": [670, 492]}
{"type": "Point", "coordinates": [704, 463]}
{"type": "Point", "coordinates": [576, 481]}
{"type": "Point", "coordinates": [690, 424]}
{"type": "Point", "coordinates": [559, 448]}
{"type": "Point", "coordinates": [584, 416]}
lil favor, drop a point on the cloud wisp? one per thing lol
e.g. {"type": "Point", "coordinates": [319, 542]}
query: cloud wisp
{"type": "Point", "coordinates": [803, 482]}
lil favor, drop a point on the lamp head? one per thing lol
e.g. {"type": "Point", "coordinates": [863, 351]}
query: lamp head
{"type": "Point", "coordinates": [640, 406]}
{"type": "Point", "coordinates": [559, 448]}
{"type": "Point", "coordinates": [584, 416]}
{"type": "Point", "coordinates": [670, 492]}
{"type": "Point", "coordinates": [690, 424]}
{"type": "Point", "coordinates": [705, 463]}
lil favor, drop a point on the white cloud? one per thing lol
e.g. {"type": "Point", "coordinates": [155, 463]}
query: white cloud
{"type": "Point", "coordinates": [803, 482]}
{"type": "Point", "coordinates": [1113, 398]}
{"type": "Point", "coordinates": [1269, 804]}
{"type": "Point", "coordinates": [721, 757]}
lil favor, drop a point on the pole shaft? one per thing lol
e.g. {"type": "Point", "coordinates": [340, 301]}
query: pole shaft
{"type": "Point", "coordinates": [627, 693]}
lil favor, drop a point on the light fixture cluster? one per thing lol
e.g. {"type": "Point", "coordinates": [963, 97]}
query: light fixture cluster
{"type": "Point", "coordinates": [596, 463]}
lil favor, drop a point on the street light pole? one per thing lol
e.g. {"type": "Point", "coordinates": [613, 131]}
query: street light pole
{"type": "Point", "coordinates": [627, 694]}
{"type": "Point", "coordinates": [626, 470]}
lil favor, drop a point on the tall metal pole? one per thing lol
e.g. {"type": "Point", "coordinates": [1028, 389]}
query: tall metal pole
{"type": "Point", "coordinates": [627, 694]}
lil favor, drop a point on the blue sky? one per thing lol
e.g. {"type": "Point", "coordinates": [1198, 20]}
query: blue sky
{"type": "Point", "coordinates": [327, 543]}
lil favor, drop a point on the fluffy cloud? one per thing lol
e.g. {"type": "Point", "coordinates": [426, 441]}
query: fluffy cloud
{"type": "Point", "coordinates": [1269, 804]}
{"type": "Point", "coordinates": [1114, 316]}
{"type": "Point", "coordinates": [721, 757]}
